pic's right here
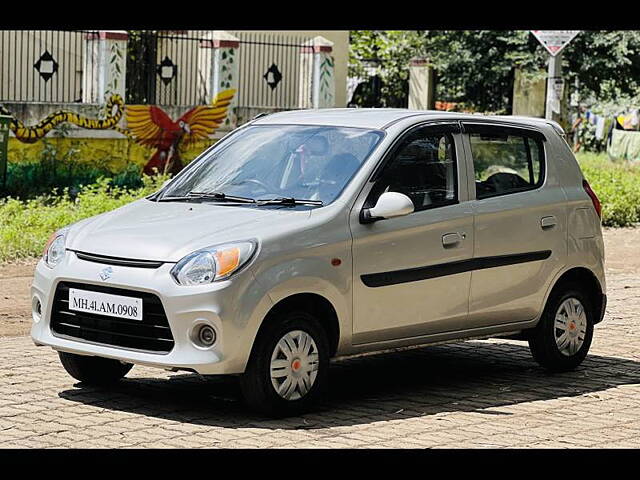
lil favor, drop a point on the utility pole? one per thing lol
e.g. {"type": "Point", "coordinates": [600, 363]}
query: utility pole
{"type": "Point", "coordinates": [555, 85]}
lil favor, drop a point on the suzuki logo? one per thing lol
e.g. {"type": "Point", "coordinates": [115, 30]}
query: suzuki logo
{"type": "Point", "coordinates": [106, 273]}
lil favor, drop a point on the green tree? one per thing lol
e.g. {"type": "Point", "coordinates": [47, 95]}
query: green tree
{"type": "Point", "coordinates": [606, 63]}
{"type": "Point", "coordinates": [477, 67]}
{"type": "Point", "coordinates": [385, 54]}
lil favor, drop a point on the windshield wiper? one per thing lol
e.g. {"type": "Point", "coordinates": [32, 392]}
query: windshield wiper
{"type": "Point", "coordinates": [221, 196]}
{"type": "Point", "coordinates": [218, 196]}
{"type": "Point", "coordinates": [288, 201]}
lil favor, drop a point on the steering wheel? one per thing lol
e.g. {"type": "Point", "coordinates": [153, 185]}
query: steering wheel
{"type": "Point", "coordinates": [501, 181]}
{"type": "Point", "coordinates": [260, 183]}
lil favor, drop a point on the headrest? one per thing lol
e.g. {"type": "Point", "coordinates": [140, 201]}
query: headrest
{"type": "Point", "coordinates": [315, 145]}
{"type": "Point", "coordinates": [342, 163]}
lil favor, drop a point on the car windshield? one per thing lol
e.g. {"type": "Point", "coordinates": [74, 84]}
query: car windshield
{"type": "Point", "coordinates": [270, 162]}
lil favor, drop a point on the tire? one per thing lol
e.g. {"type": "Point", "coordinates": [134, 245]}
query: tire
{"type": "Point", "coordinates": [93, 370]}
{"type": "Point", "coordinates": [256, 383]}
{"type": "Point", "coordinates": [558, 355]}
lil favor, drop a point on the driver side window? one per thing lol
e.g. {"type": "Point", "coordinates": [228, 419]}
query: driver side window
{"type": "Point", "coordinates": [423, 168]}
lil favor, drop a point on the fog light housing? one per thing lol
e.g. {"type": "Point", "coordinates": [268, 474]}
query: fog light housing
{"type": "Point", "coordinates": [206, 335]}
{"type": "Point", "coordinates": [36, 307]}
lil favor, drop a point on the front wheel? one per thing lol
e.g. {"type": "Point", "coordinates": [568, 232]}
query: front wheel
{"type": "Point", "coordinates": [287, 371]}
{"type": "Point", "coordinates": [563, 336]}
{"type": "Point", "coordinates": [93, 370]}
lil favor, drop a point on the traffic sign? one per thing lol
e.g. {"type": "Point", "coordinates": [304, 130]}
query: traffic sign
{"type": "Point", "coordinates": [555, 40]}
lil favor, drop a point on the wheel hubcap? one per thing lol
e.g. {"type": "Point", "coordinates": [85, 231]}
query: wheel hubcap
{"type": "Point", "coordinates": [294, 365]}
{"type": "Point", "coordinates": [570, 326]}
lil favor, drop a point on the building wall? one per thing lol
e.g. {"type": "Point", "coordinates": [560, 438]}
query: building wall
{"type": "Point", "coordinates": [109, 147]}
{"type": "Point", "coordinates": [107, 152]}
{"type": "Point", "coordinates": [528, 96]}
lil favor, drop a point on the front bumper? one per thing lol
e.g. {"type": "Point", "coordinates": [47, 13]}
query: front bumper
{"type": "Point", "coordinates": [603, 308]}
{"type": "Point", "coordinates": [186, 308]}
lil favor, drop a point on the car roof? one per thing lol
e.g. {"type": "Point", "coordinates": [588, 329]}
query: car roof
{"type": "Point", "coordinates": [381, 118]}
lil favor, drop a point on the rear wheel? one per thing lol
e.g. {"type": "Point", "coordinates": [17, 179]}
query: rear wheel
{"type": "Point", "coordinates": [563, 336]}
{"type": "Point", "coordinates": [287, 371]}
{"type": "Point", "coordinates": [93, 370]}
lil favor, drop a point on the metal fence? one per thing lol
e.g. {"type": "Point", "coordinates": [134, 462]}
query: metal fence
{"type": "Point", "coordinates": [41, 65]}
{"type": "Point", "coordinates": [269, 73]}
{"type": "Point", "coordinates": [163, 68]}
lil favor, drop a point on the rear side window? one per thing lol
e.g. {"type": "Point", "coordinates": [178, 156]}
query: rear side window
{"type": "Point", "coordinates": [505, 161]}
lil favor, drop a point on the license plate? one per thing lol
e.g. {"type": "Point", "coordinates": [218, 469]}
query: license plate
{"type": "Point", "coordinates": [105, 304]}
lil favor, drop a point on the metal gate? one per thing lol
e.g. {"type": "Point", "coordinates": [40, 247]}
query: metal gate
{"type": "Point", "coordinates": [162, 67]}
{"type": "Point", "coordinates": [140, 83]}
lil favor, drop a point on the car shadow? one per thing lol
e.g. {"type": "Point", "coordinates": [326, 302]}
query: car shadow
{"type": "Point", "coordinates": [477, 376]}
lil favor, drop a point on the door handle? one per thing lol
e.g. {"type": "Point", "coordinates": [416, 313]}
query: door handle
{"type": "Point", "coordinates": [450, 239]}
{"type": "Point", "coordinates": [547, 222]}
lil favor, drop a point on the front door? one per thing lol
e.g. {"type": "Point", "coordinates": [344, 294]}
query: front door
{"type": "Point", "coordinates": [405, 275]}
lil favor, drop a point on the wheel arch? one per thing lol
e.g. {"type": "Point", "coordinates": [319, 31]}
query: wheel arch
{"type": "Point", "coordinates": [588, 280]}
{"type": "Point", "coordinates": [314, 303]}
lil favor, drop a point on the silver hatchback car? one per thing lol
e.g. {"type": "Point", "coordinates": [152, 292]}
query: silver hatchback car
{"type": "Point", "coordinates": [310, 235]}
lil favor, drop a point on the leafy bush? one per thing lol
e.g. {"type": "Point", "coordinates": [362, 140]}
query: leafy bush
{"type": "Point", "coordinates": [588, 140]}
{"type": "Point", "coordinates": [25, 226]}
{"type": "Point", "coordinates": [27, 180]}
{"type": "Point", "coordinates": [617, 185]}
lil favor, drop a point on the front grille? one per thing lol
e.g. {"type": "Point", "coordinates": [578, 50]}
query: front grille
{"type": "Point", "coordinates": [127, 262]}
{"type": "Point", "coordinates": [151, 334]}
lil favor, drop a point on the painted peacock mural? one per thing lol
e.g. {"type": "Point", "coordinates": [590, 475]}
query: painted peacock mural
{"type": "Point", "coordinates": [147, 125]}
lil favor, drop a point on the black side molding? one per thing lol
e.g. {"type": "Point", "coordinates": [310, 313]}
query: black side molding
{"type": "Point", "coordinates": [433, 271]}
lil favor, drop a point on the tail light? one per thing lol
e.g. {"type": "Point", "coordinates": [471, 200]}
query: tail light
{"type": "Point", "coordinates": [593, 196]}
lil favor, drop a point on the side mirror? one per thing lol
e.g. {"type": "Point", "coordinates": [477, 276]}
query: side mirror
{"type": "Point", "coordinates": [389, 205]}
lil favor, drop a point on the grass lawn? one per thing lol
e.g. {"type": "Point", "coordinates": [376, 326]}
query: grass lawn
{"type": "Point", "coordinates": [617, 185]}
{"type": "Point", "coordinates": [26, 225]}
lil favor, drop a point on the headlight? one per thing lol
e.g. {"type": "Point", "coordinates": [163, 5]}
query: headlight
{"type": "Point", "coordinates": [212, 264]}
{"type": "Point", "coordinates": [54, 250]}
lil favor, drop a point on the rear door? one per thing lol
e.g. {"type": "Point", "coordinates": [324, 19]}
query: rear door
{"type": "Point", "coordinates": [520, 222]}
